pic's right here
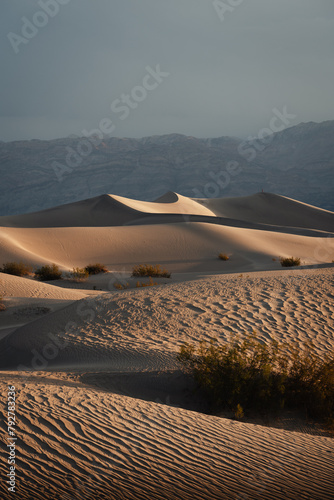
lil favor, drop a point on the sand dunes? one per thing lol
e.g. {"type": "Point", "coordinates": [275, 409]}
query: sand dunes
{"type": "Point", "coordinates": [103, 409]}
{"type": "Point", "coordinates": [112, 447]}
{"type": "Point", "coordinates": [186, 235]}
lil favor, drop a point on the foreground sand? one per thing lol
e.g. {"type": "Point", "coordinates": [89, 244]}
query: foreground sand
{"type": "Point", "coordinates": [84, 444]}
{"type": "Point", "coordinates": [103, 410]}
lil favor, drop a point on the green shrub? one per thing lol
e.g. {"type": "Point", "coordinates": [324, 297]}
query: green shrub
{"type": "Point", "coordinates": [96, 269]}
{"type": "Point", "coordinates": [249, 376]}
{"type": "Point", "coordinates": [48, 273]}
{"type": "Point", "coordinates": [149, 270]}
{"type": "Point", "coordinates": [16, 269]}
{"type": "Point", "coordinates": [290, 261]}
{"type": "Point", "coordinates": [79, 274]}
{"type": "Point", "coordinates": [223, 256]}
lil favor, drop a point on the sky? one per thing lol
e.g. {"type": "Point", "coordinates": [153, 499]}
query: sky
{"type": "Point", "coordinates": [134, 68]}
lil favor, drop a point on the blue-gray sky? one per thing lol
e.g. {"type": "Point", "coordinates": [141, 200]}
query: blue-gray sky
{"type": "Point", "coordinates": [229, 63]}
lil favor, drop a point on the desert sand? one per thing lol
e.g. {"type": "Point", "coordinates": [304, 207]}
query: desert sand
{"type": "Point", "coordinates": [103, 408]}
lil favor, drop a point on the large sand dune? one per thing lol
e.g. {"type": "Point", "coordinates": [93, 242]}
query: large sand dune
{"type": "Point", "coordinates": [103, 410]}
{"type": "Point", "coordinates": [183, 234]}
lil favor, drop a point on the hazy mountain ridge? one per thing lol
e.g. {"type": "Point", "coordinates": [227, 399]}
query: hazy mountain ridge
{"type": "Point", "coordinates": [297, 162]}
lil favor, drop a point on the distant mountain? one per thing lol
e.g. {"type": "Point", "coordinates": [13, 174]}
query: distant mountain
{"type": "Point", "coordinates": [297, 162]}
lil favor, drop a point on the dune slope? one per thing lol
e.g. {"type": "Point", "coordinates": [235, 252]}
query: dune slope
{"type": "Point", "coordinates": [78, 443]}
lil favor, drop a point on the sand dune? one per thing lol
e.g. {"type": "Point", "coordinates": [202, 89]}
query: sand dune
{"type": "Point", "coordinates": [92, 368]}
{"type": "Point", "coordinates": [105, 210]}
{"type": "Point", "coordinates": [77, 443]}
{"type": "Point", "coordinates": [182, 247]}
{"type": "Point", "coordinates": [139, 329]}
{"type": "Point", "coordinates": [14, 286]}
{"type": "Point", "coordinates": [268, 208]}
{"type": "Point", "coordinates": [112, 210]}
{"type": "Point", "coordinates": [186, 235]}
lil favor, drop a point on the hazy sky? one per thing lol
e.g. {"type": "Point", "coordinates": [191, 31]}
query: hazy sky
{"type": "Point", "coordinates": [224, 66]}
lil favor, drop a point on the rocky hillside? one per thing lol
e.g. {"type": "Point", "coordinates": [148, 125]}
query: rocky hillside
{"type": "Point", "coordinates": [297, 162]}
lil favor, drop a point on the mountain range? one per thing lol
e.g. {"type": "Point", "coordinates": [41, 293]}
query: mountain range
{"type": "Point", "coordinates": [297, 162]}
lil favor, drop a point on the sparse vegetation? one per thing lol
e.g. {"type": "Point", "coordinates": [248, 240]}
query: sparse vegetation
{"type": "Point", "coordinates": [96, 268]}
{"type": "Point", "coordinates": [119, 286]}
{"type": "Point", "coordinates": [16, 269]}
{"type": "Point", "coordinates": [290, 261]}
{"type": "Point", "coordinates": [250, 376]}
{"type": "Point", "coordinates": [223, 256]}
{"type": "Point", "coordinates": [79, 274]}
{"type": "Point", "coordinates": [149, 270]}
{"type": "Point", "coordinates": [48, 273]}
{"type": "Point", "coordinates": [150, 282]}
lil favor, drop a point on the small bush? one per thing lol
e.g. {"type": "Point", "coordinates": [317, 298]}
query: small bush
{"type": "Point", "coordinates": [250, 376]}
{"type": "Point", "coordinates": [96, 269]}
{"type": "Point", "coordinates": [149, 283]}
{"type": "Point", "coordinates": [48, 273]}
{"type": "Point", "coordinates": [16, 269]}
{"type": "Point", "coordinates": [149, 270]}
{"type": "Point", "coordinates": [290, 261]}
{"type": "Point", "coordinates": [79, 274]}
{"type": "Point", "coordinates": [223, 256]}
{"type": "Point", "coordinates": [239, 412]}
{"type": "Point", "coordinates": [119, 286]}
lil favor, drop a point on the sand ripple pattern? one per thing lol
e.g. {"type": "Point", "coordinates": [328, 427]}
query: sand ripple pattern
{"type": "Point", "coordinates": [143, 329]}
{"type": "Point", "coordinates": [83, 444]}
{"type": "Point", "coordinates": [297, 306]}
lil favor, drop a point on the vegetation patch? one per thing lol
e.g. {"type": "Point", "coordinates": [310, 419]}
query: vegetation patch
{"type": "Point", "coordinates": [96, 268]}
{"type": "Point", "coordinates": [16, 269]}
{"type": "Point", "coordinates": [48, 273]}
{"type": "Point", "coordinates": [150, 282]}
{"type": "Point", "coordinates": [290, 261]}
{"type": "Point", "coordinates": [79, 274]}
{"type": "Point", "coordinates": [149, 270]}
{"type": "Point", "coordinates": [247, 376]}
{"type": "Point", "coordinates": [120, 286]}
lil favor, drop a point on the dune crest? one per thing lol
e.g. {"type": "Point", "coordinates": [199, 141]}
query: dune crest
{"type": "Point", "coordinates": [185, 233]}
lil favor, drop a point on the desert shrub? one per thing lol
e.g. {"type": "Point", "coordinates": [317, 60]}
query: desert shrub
{"type": "Point", "coordinates": [79, 274]}
{"type": "Point", "coordinates": [290, 261]}
{"type": "Point", "coordinates": [119, 286]}
{"type": "Point", "coordinates": [48, 273]}
{"type": "Point", "coordinates": [242, 374]}
{"type": "Point", "coordinates": [311, 383]}
{"type": "Point", "coordinates": [150, 282]}
{"type": "Point", "coordinates": [247, 376]}
{"type": "Point", "coordinates": [223, 256]}
{"type": "Point", "coordinates": [16, 268]}
{"type": "Point", "coordinates": [96, 268]}
{"type": "Point", "coordinates": [149, 270]}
